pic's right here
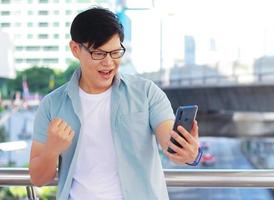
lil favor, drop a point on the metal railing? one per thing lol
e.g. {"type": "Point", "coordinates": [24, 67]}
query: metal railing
{"type": "Point", "coordinates": [174, 178]}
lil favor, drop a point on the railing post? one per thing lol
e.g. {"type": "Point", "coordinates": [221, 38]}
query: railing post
{"type": "Point", "coordinates": [31, 193]}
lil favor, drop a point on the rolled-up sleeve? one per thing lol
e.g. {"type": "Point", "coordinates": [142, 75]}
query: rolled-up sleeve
{"type": "Point", "coordinates": [41, 121]}
{"type": "Point", "coordinates": [160, 108]}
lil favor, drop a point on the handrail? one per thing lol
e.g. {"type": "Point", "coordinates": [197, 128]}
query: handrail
{"type": "Point", "coordinates": [174, 178]}
{"type": "Point", "coordinates": [17, 177]}
{"type": "Point", "coordinates": [220, 178]}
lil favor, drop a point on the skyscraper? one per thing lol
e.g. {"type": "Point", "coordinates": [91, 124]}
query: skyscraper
{"type": "Point", "coordinates": [190, 48]}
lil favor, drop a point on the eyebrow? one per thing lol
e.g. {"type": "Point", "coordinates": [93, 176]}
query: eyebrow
{"type": "Point", "coordinates": [108, 51]}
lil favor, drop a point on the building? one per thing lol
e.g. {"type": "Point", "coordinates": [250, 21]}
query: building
{"type": "Point", "coordinates": [6, 60]}
{"type": "Point", "coordinates": [190, 50]}
{"type": "Point", "coordinates": [38, 31]}
{"type": "Point", "coordinates": [264, 69]}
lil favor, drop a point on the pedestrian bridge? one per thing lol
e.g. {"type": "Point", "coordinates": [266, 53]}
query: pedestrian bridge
{"type": "Point", "coordinates": [235, 98]}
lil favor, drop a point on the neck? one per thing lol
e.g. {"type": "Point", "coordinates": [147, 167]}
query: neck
{"type": "Point", "coordinates": [91, 89]}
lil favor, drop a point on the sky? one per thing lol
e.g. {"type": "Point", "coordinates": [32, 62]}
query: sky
{"type": "Point", "coordinates": [240, 28]}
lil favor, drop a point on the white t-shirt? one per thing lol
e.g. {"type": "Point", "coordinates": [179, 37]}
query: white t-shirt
{"type": "Point", "coordinates": [96, 175]}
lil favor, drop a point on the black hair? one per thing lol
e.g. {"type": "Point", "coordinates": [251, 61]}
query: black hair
{"type": "Point", "coordinates": [96, 26]}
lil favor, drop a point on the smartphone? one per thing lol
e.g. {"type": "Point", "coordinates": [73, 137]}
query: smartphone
{"type": "Point", "coordinates": [185, 116]}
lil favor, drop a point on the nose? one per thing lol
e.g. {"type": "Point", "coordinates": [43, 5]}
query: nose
{"type": "Point", "coordinates": [107, 60]}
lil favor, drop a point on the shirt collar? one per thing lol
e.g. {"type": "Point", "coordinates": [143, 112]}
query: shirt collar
{"type": "Point", "coordinates": [73, 84]}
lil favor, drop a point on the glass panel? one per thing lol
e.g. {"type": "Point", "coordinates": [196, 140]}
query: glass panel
{"type": "Point", "coordinates": [56, 24]}
{"type": "Point", "coordinates": [43, 24]}
{"type": "Point", "coordinates": [51, 48]}
{"type": "Point", "coordinates": [43, 1]}
{"type": "Point", "coordinates": [5, 1]}
{"type": "Point", "coordinates": [32, 48]}
{"type": "Point", "coordinates": [43, 12]}
{"type": "Point", "coordinates": [5, 13]}
{"type": "Point", "coordinates": [43, 36]}
{"type": "Point", "coordinates": [4, 25]}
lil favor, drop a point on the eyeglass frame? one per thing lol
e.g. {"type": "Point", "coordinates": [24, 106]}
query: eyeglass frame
{"type": "Point", "coordinates": [106, 52]}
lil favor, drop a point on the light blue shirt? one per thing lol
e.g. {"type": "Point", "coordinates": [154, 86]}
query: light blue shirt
{"type": "Point", "coordinates": [138, 106]}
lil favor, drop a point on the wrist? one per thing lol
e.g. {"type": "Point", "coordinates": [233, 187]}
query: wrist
{"type": "Point", "coordinates": [198, 158]}
{"type": "Point", "coordinates": [51, 153]}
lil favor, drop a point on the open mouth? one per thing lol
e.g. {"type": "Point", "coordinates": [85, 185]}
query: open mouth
{"type": "Point", "coordinates": [105, 73]}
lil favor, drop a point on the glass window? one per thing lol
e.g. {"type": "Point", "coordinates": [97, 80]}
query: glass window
{"type": "Point", "coordinates": [19, 60]}
{"type": "Point", "coordinates": [56, 24]}
{"type": "Point", "coordinates": [43, 36]}
{"type": "Point", "coordinates": [30, 12]}
{"type": "Point", "coordinates": [50, 48]}
{"type": "Point", "coordinates": [50, 60]}
{"type": "Point", "coordinates": [30, 36]}
{"type": "Point", "coordinates": [43, 1]}
{"type": "Point", "coordinates": [43, 24]}
{"type": "Point", "coordinates": [56, 12]}
{"type": "Point", "coordinates": [5, 24]}
{"type": "Point", "coordinates": [68, 12]}
{"type": "Point", "coordinates": [17, 24]}
{"type": "Point", "coordinates": [30, 24]}
{"type": "Point", "coordinates": [67, 24]}
{"type": "Point", "coordinates": [19, 48]}
{"type": "Point", "coordinates": [32, 60]}
{"type": "Point", "coordinates": [32, 48]}
{"type": "Point", "coordinates": [5, 13]}
{"type": "Point", "coordinates": [5, 1]}
{"type": "Point", "coordinates": [55, 36]}
{"type": "Point", "coordinates": [43, 12]}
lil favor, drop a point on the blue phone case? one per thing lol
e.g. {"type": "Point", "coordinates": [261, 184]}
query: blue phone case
{"type": "Point", "coordinates": [185, 115]}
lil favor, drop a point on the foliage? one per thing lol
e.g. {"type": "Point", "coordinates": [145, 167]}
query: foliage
{"type": "Point", "coordinates": [63, 77]}
{"type": "Point", "coordinates": [1, 109]}
{"type": "Point", "coordinates": [18, 192]}
{"type": "Point", "coordinates": [47, 193]}
{"type": "Point", "coordinates": [15, 192]}
{"type": "Point", "coordinates": [38, 79]}
{"type": "Point", "coordinates": [6, 194]}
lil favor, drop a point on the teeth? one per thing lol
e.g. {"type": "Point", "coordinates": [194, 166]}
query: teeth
{"type": "Point", "coordinates": [105, 72]}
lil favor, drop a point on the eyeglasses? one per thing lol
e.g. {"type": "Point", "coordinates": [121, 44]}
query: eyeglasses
{"type": "Point", "coordinates": [100, 54]}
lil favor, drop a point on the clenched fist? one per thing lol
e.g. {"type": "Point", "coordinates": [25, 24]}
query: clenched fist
{"type": "Point", "coordinates": [60, 136]}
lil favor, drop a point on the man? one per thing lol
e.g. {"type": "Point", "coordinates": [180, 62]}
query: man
{"type": "Point", "coordinates": [103, 126]}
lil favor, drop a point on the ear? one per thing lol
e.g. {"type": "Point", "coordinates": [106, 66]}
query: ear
{"type": "Point", "coordinates": [75, 49]}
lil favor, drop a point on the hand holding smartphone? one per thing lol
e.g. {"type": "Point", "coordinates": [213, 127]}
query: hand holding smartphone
{"type": "Point", "coordinates": [185, 116]}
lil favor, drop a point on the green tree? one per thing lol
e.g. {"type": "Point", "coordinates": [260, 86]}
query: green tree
{"type": "Point", "coordinates": [63, 77]}
{"type": "Point", "coordinates": [36, 77]}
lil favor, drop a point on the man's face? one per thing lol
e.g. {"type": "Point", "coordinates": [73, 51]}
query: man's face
{"type": "Point", "coordinates": [97, 75]}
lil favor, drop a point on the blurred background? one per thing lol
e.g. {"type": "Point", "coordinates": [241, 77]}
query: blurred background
{"type": "Point", "coordinates": [218, 54]}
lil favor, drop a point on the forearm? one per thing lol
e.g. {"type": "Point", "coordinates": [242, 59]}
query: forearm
{"type": "Point", "coordinates": [162, 133]}
{"type": "Point", "coordinates": [43, 168]}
